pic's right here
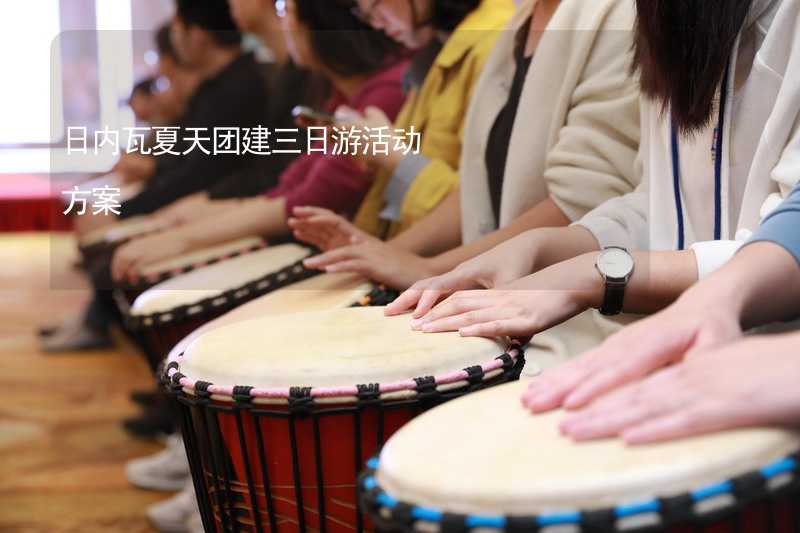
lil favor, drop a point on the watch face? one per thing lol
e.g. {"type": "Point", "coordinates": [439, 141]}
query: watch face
{"type": "Point", "coordinates": [615, 263]}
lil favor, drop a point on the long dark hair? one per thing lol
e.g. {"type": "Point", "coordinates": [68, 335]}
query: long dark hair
{"type": "Point", "coordinates": [682, 50]}
{"type": "Point", "coordinates": [447, 14]}
{"type": "Point", "coordinates": [342, 42]}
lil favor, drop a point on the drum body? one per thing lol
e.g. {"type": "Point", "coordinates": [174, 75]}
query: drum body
{"type": "Point", "coordinates": [167, 312]}
{"type": "Point", "coordinates": [490, 465]}
{"type": "Point", "coordinates": [275, 458]}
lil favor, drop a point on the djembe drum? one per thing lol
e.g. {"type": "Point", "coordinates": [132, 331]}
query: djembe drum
{"type": "Point", "coordinates": [169, 311]}
{"type": "Point", "coordinates": [161, 271]}
{"type": "Point", "coordinates": [279, 413]}
{"type": "Point", "coordinates": [485, 463]}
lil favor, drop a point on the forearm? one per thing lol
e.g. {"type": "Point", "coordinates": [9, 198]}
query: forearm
{"type": "Point", "coordinates": [659, 278]}
{"type": "Point", "coordinates": [440, 230]}
{"type": "Point", "coordinates": [546, 214]}
{"type": "Point", "coordinates": [258, 216]}
{"type": "Point", "coordinates": [760, 284]}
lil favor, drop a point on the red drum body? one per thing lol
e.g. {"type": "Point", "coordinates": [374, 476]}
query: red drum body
{"type": "Point", "coordinates": [287, 458]}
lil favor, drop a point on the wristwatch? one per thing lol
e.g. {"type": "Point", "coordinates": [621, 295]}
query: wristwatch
{"type": "Point", "coordinates": [615, 265]}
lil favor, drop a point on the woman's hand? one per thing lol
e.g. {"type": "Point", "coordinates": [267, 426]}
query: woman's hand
{"type": "Point", "coordinates": [499, 266]}
{"type": "Point", "coordinates": [132, 257]}
{"type": "Point", "coordinates": [325, 229]}
{"type": "Point", "coordinates": [184, 210]}
{"type": "Point", "coordinates": [695, 322]}
{"type": "Point", "coordinates": [376, 260]}
{"type": "Point", "coordinates": [520, 309]}
{"type": "Point", "coordinates": [374, 120]}
{"type": "Point", "coordinates": [747, 383]}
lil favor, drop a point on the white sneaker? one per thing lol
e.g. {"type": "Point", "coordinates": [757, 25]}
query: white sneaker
{"type": "Point", "coordinates": [195, 523]}
{"type": "Point", "coordinates": [172, 515]}
{"type": "Point", "coordinates": [167, 470]}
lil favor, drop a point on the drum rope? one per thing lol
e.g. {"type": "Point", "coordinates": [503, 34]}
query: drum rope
{"type": "Point", "coordinates": [675, 510]}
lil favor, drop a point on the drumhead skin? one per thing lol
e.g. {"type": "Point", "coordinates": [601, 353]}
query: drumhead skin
{"type": "Point", "coordinates": [214, 280]}
{"type": "Point", "coordinates": [203, 257]}
{"type": "Point", "coordinates": [484, 454]}
{"type": "Point", "coordinates": [326, 291]}
{"type": "Point", "coordinates": [334, 348]}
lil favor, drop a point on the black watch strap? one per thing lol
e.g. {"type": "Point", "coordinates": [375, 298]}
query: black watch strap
{"type": "Point", "coordinates": [613, 299]}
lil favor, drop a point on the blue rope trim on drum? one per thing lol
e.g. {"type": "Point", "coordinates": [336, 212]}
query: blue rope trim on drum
{"type": "Point", "coordinates": [777, 468]}
{"type": "Point", "coordinates": [709, 491]}
{"type": "Point", "coordinates": [636, 508]}
{"type": "Point", "coordinates": [374, 493]}
{"type": "Point", "coordinates": [558, 519]}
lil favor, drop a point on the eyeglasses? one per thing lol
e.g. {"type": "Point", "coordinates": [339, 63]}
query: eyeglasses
{"type": "Point", "coordinates": [367, 15]}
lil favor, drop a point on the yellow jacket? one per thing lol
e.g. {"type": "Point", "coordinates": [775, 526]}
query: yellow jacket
{"type": "Point", "coordinates": [437, 110]}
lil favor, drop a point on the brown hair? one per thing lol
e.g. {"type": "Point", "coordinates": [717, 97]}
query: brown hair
{"type": "Point", "coordinates": [681, 51]}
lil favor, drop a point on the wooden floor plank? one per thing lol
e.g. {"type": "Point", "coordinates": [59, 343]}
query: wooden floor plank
{"type": "Point", "coordinates": [62, 450]}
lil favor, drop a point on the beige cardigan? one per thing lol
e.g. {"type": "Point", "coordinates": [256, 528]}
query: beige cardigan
{"type": "Point", "coordinates": [576, 134]}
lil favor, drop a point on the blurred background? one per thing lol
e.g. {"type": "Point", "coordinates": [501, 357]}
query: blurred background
{"type": "Point", "coordinates": [62, 450]}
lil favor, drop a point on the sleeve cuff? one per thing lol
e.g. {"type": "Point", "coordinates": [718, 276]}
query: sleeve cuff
{"type": "Point", "coordinates": [399, 183]}
{"type": "Point", "coordinates": [606, 231]}
{"type": "Point", "coordinates": [780, 230]}
{"type": "Point", "coordinates": [711, 255]}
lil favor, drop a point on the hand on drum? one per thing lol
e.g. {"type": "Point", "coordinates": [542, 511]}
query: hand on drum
{"type": "Point", "coordinates": [131, 257]}
{"type": "Point", "coordinates": [634, 352]}
{"type": "Point", "coordinates": [377, 260]}
{"type": "Point", "coordinates": [519, 309]}
{"type": "Point", "coordinates": [500, 265]}
{"type": "Point", "coordinates": [325, 229]}
{"type": "Point", "coordinates": [751, 382]}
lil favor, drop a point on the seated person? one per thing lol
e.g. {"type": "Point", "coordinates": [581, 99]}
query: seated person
{"type": "Point", "coordinates": [690, 368]}
{"type": "Point", "coordinates": [365, 69]}
{"type": "Point", "coordinates": [171, 90]}
{"type": "Point", "coordinates": [692, 204]}
{"type": "Point", "coordinates": [287, 86]}
{"type": "Point", "coordinates": [499, 196]}
{"type": "Point", "coordinates": [230, 94]}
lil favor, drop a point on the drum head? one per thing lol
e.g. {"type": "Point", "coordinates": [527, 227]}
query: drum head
{"type": "Point", "coordinates": [214, 280]}
{"type": "Point", "coordinates": [484, 454]}
{"type": "Point", "coordinates": [335, 348]}
{"type": "Point", "coordinates": [202, 257]}
{"type": "Point", "coordinates": [320, 293]}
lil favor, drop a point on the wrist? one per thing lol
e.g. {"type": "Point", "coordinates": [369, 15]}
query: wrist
{"type": "Point", "coordinates": [592, 285]}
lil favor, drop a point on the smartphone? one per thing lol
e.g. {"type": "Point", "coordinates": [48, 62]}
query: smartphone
{"type": "Point", "coordinates": [312, 116]}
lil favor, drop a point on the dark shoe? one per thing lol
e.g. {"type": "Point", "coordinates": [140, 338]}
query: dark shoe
{"type": "Point", "coordinates": [145, 398]}
{"type": "Point", "coordinates": [155, 423]}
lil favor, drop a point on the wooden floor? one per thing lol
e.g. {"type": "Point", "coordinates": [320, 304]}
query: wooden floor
{"type": "Point", "coordinates": [62, 449]}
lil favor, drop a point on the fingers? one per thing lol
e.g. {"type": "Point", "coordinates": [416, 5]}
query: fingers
{"type": "Point", "coordinates": [469, 317]}
{"type": "Point", "coordinates": [548, 391]}
{"type": "Point", "coordinates": [423, 294]}
{"type": "Point", "coordinates": [512, 327]}
{"type": "Point", "coordinates": [427, 299]}
{"type": "Point", "coordinates": [628, 356]}
{"type": "Point", "coordinates": [404, 302]}
{"type": "Point", "coordinates": [322, 261]}
{"type": "Point", "coordinates": [456, 304]}
{"type": "Point", "coordinates": [673, 425]}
